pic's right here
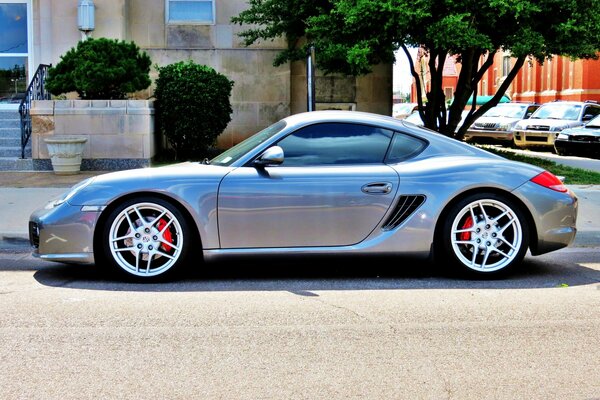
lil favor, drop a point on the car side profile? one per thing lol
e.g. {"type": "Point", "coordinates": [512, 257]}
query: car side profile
{"type": "Point", "coordinates": [324, 182]}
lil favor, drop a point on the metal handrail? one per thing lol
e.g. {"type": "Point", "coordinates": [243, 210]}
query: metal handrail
{"type": "Point", "coordinates": [35, 91]}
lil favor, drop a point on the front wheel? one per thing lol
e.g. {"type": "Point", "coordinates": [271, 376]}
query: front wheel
{"type": "Point", "coordinates": [145, 239]}
{"type": "Point", "coordinates": [485, 235]}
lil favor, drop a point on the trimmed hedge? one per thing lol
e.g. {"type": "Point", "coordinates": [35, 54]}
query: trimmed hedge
{"type": "Point", "coordinates": [101, 69]}
{"type": "Point", "coordinates": [192, 107]}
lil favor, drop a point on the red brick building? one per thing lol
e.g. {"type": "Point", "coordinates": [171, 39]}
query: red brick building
{"type": "Point", "coordinates": [557, 79]}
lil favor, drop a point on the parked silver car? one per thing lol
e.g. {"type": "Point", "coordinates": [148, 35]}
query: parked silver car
{"type": "Point", "coordinates": [325, 182]}
{"type": "Point", "coordinates": [550, 119]}
{"type": "Point", "coordinates": [498, 122]}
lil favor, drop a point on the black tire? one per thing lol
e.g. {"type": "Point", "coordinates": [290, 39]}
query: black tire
{"type": "Point", "coordinates": [145, 239]}
{"type": "Point", "coordinates": [484, 235]}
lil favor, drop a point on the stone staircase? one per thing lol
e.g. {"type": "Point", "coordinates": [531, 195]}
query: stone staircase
{"type": "Point", "coordinates": [10, 144]}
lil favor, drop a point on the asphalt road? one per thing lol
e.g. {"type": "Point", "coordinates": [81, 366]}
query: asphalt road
{"type": "Point", "coordinates": [389, 329]}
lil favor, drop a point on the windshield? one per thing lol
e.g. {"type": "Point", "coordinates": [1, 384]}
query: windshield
{"type": "Point", "coordinates": [558, 111]}
{"type": "Point", "coordinates": [594, 123]}
{"type": "Point", "coordinates": [507, 110]}
{"type": "Point", "coordinates": [239, 150]}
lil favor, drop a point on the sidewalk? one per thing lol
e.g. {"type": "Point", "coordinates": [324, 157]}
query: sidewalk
{"type": "Point", "coordinates": [23, 192]}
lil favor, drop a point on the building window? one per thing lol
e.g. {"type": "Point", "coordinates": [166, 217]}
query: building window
{"type": "Point", "coordinates": [505, 65]}
{"type": "Point", "coordinates": [190, 11]}
{"type": "Point", "coordinates": [14, 52]}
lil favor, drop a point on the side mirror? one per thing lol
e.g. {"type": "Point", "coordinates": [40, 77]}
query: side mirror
{"type": "Point", "coordinates": [587, 117]}
{"type": "Point", "coordinates": [271, 156]}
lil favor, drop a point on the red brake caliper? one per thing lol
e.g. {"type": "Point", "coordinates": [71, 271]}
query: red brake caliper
{"type": "Point", "coordinates": [166, 235]}
{"type": "Point", "coordinates": [468, 223]}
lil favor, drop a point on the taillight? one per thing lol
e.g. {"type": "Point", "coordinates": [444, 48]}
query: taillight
{"type": "Point", "coordinates": [550, 181]}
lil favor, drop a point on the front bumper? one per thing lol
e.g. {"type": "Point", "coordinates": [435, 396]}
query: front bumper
{"type": "Point", "coordinates": [534, 138]}
{"type": "Point", "coordinates": [63, 233]}
{"type": "Point", "coordinates": [489, 134]}
{"type": "Point", "coordinates": [591, 148]}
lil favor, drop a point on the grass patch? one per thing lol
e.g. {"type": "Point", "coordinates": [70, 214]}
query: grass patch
{"type": "Point", "coordinates": [573, 176]}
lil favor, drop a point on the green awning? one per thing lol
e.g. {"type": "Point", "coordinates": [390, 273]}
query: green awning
{"type": "Point", "coordinates": [481, 100]}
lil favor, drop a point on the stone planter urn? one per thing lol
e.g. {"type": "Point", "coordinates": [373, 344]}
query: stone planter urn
{"type": "Point", "coordinates": [66, 153]}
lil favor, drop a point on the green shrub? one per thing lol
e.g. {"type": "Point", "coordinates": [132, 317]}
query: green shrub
{"type": "Point", "coordinates": [192, 107]}
{"type": "Point", "coordinates": [101, 69]}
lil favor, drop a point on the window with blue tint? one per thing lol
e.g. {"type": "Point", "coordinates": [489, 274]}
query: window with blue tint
{"type": "Point", "coordinates": [13, 52]}
{"type": "Point", "coordinates": [190, 11]}
{"type": "Point", "coordinates": [404, 147]}
{"type": "Point", "coordinates": [335, 144]}
{"type": "Point", "coordinates": [13, 28]}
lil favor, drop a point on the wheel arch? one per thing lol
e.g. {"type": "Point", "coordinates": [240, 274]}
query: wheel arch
{"type": "Point", "coordinates": [533, 235]}
{"type": "Point", "coordinates": [196, 237]}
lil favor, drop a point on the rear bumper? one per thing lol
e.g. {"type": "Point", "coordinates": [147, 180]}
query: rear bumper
{"type": "Point", "coordinates": [554, 216]}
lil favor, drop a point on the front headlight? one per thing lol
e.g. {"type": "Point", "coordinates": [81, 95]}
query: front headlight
{"type": "Point", "coordinates": [505, 127]}
{"type": "Point", "coordinates": [68, 194]}
{"type": "Point", "coordinates": [558, 128]}
{"type": "Point", "coordinates": [562, 136]}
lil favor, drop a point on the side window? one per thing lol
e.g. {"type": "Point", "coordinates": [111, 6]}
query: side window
{"type": "Point", "coordinates": [404, 147]}
{"type": "Point", "coordinates": [530, 111]}
{"type": "Point", "coordinates": [335, 144]}
{"type": "Point", "coordinates": [593, 111]}
{"type": "Point", "coordinates": [190, 11]}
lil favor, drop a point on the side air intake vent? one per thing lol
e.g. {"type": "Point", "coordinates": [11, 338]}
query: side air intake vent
{"type": "Point", "coordinates": [405, 207]}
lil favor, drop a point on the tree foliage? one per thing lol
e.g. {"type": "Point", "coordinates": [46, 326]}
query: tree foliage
{"type": "Point", "coordinates": [353, 35]}
{"type": "Point", "coordinates": [101, 69]}
{"type": "Point", "coordinates": [192, 107]}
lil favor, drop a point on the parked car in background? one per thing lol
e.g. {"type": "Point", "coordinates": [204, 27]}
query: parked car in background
{"type": "Point", "coordinates": [498, 122]}
{"type": "Point", "coordinates": [550, 119]}
{"type": "Point", "coordinates": [583, 140]}
{"type": "Point", "coordinates": [403, 110]}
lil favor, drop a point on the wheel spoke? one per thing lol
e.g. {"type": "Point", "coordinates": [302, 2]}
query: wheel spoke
{"type": "Point", "coordinates": [463, 242]}
{"type": "Point", "coordinates": [485, 256]}
{"type": "Point", "coordinates": [507, 242]}
{"type": "Point", "coordinates": [474, 256]}
{"type": "Point", "coordinates": [129, 236]}
{"type": "Point", "coordinates": [463, 230]}
{"type": "Point", "coordinates": [503, 254]}
{"type": "Point", "coordinates": [160, 253]}
{"type": "Point", "coordinates": [166, 226]}
{"type": "Point", "coordinates": [163, 241]}
{"type": "Point", "coordinates": [508, 224]}
{"type": "Point", "coordinates": [131, 225]}
{"type": "Point", "coordinates": [123, 249]}
{"type": "Point", "coordinates": [485, 216]}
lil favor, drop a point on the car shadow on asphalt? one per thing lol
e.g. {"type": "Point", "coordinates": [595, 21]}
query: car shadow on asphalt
{"type": "Point", "coordinates": [304, 276]}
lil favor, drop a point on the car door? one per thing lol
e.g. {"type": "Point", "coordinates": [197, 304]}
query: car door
{"type": "Point", "coordinates": [332, 189]}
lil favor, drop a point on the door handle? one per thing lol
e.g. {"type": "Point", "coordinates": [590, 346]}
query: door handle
{"type": "Point", "coordinates": [377, 188]}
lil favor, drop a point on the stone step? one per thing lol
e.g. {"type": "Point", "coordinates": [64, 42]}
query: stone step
{"type": "Point", "coordinates": [14, 151]}
{"type": "Point", "coordinates": [10, 123]}
{"type": "Point", "coordinates": [10, 132]}
{"type": "Point", "coordinates": [11, 142]}
{"type": "Point", "coordinates": [9, 115]}
{"type": "Point", "coordinates": [16, 164]}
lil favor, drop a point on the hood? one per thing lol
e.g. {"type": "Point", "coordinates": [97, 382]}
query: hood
{"type": "Point", "coordinates": [546, 124]}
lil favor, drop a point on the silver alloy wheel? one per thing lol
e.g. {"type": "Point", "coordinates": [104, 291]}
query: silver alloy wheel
{"type": "Point", "coordinates": [145, 239]}
{"type": "Point", "coordinates": [486, 235]}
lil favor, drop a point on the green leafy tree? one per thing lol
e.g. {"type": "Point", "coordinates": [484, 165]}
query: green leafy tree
{"type": "Point", "coordinates": [353, 35]}
{"type": "Point", "coordinates": [101, 69]}
{"type": "Point", "coordinates": [192, 107]}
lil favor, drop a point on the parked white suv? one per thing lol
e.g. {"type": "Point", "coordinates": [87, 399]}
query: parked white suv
{"type": "Point", "coordinates": [550, 119]}
{"type": "Point", "coordinates": [498, 122]}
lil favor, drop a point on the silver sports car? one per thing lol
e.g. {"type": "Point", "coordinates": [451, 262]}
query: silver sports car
{"type": "Point", "coordinates": [316, 183]}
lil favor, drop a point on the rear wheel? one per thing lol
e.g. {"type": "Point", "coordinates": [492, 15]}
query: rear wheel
{"type": "Point", "coordinates": [485, 235]}
{"type": "Point", "coordinates": [145, 239]}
